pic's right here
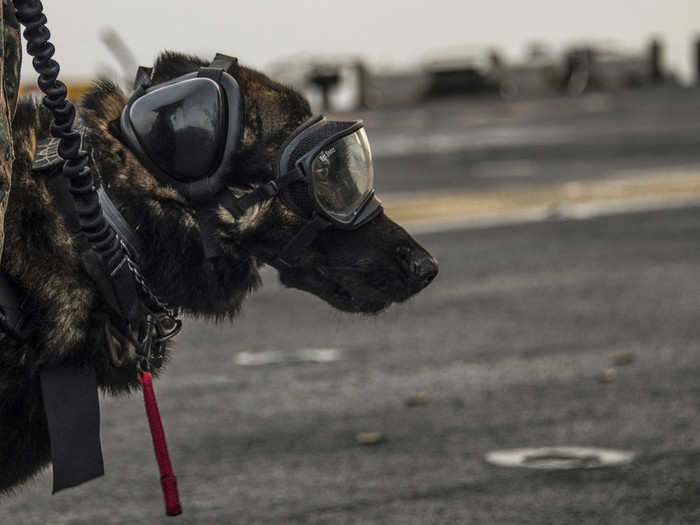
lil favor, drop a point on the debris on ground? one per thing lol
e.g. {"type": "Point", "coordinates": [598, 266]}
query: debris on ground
{"type": "Point", "coordinates": [608, 375]}
{"type": "Point", "coordinates": [623, 358]}
{"type": "Point", "coordinates": [416, 400]}
{"type": "Point", "coordinates": [370, 438]}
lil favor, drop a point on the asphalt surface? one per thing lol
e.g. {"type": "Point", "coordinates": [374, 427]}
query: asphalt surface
{"type": "Point", "coordinates": [484, 143]}
{"type": "Point", "coordinates": [505, 349]}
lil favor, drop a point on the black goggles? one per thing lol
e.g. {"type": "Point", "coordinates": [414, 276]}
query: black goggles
{"type": "Point", "coordinates": [330, 164]}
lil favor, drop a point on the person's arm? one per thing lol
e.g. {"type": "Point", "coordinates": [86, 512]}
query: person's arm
{"type": "Point", "coordinates": [10, 59]}
{"type": "Point", "coordinates": [12, 54]}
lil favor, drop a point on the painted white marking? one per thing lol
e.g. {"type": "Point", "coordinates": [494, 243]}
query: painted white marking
{"type": "Point", "coordinates": [559, 458]}
{"type": "Point", "coordinates": [302, 355]}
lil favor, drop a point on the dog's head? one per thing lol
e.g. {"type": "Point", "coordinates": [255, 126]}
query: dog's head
{"type": "Point", "coordinates": [360, 270]}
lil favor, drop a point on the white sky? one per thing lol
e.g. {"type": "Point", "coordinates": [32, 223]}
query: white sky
{"type": "Point", "coordinates": [385, 32]}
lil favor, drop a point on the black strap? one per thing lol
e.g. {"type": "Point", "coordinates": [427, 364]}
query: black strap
{"type": "Point", "coordinates": [220, 64]}
{"type": "Point", "coordinates": [124, 286]}
{"type": "Point", "coordinates": [225, 62]}
{"type": "Point", "coordinates": [47, 160]}
{"type": "Point", "coordinates": [300, 241]}
{"type": "Point", "coordinates": [238, 206]}
{"type": "Point", "coordinates": [143, 78]}
{"type": "Point", "coordinates": [119, 224]}
{"type": "Point", "coordinates": [118, 288]}
{"type": "Point", "coordinates": [206, 218]}
{"type": "Point", "coordinates": [73, 415]}
{"type": "Point", "coordinates": [206, 215]}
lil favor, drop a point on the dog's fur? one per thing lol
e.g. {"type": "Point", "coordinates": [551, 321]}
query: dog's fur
{"type": "Point", "coordinates": [360, 271]}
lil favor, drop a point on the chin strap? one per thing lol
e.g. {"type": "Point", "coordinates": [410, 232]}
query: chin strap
{"type": "Point", "coordinates": [299, 242]}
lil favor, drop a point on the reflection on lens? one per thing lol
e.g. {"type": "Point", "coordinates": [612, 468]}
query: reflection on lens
{"type": "Point", "coordinates": [343, 175]}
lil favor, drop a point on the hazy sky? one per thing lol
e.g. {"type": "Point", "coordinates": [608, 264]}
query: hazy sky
{"type": "Point", "coordinates": [386, 32]}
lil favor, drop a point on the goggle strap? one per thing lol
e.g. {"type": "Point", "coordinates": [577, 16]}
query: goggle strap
{"type": "Point", "coordinates": [143, 77]}
{"type": "Point", "coordinates": [300, 241]}
{"type": "Point", "coordinates": [238, 206]}
{"type": "Point", "coordinates": [207, 226]}
{"type": "Point", "coordinates": [225, 62]}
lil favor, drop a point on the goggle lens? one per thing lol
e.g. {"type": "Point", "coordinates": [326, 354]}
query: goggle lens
{"type": "Point", "coordinates": [343, 176]}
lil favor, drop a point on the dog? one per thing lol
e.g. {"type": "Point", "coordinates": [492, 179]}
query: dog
{"type": "Point", "coordinates": [362, 270]}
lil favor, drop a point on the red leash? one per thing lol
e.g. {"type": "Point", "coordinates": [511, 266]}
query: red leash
{"type": "Point", "coordinates": [168, 481]}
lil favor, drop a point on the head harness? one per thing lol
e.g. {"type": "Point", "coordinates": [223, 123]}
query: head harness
{"type": "Point", "coordinates": [187, 131]}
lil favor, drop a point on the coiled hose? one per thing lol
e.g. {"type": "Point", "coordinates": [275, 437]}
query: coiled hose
{"type": "Point", "coordinates": [76, 167]}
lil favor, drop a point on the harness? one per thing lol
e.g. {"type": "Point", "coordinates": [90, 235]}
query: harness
{"type": "Point", "coordinates": [70, 393]}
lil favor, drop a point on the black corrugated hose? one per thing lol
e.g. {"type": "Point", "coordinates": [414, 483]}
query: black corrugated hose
{"type": "Point", "coordinates": [76, 166]}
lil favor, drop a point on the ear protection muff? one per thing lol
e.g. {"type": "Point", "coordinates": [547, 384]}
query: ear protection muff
{"type": "Point", "coordinates": [187, 130]}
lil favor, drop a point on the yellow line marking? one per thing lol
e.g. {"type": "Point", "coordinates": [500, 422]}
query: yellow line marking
{"type": "Point", "coordinates": [667, 188]}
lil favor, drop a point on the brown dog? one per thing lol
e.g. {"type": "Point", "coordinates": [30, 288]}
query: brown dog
{"type": "Point", "coordinates": [363, 270]}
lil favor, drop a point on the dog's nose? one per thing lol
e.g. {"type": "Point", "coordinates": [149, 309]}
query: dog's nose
{"type": "Point", "coordinates": [418, 264]}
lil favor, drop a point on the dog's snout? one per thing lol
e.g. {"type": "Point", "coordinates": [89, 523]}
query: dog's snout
{"type": "Point", "coordinates": [418, 264]}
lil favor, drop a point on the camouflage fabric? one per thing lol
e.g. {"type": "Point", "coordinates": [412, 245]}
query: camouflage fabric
{"type": "Point", "coordinates": [10, 58]}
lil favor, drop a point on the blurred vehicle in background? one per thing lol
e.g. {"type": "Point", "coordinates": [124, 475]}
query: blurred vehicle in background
{"type": "Point", "coordinates": [469, 71]}
{"type": "Point", "coordinates": [605, 68]}
{"type": "Point", "coordinates": [330, 83]}
{"type": "Point", "coordinates": [345, 82]}
{"type": "Point", "coordinates": [540, 74]}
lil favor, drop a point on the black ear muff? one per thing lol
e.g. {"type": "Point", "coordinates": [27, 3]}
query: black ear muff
{"type": "Point", "coordinates": [182, 127]}
{"type": "Point", "coordinates": [186, 130]}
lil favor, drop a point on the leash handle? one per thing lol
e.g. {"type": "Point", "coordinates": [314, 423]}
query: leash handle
{"type": "Point", "coordinates": [168, 481]}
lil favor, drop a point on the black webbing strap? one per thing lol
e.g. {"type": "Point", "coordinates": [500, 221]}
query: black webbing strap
{"type": "Point", "coordinates": [73, 415]}
{"type": "Point", "coordinates": [70, 401]}
{"type": "Point", "coordinates": [143, 78]}
{"type": "Point", "coordinates": [49, 162]}
{"type": "Point", "coordinates": [206, 218]}
{"type": "Point", "coordinates": [225, 62]}
{"type": "Point", "coordinates": [119, 225]}
{"type": "Point", "coordinates": [220, 64]}
{"type": "Point", "coordinates": [238, 206]}
{"type": "Point", "coordinates": [299, 242]}
{"type": "Point", "coordinates": [124, 286]}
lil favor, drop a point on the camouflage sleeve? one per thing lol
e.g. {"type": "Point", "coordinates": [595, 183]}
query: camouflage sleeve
{"type": "Point", "coordinates": [10, 56]}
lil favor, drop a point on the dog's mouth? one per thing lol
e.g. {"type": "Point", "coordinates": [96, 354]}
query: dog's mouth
{"type": "Point", "coordinates": [351, 290]}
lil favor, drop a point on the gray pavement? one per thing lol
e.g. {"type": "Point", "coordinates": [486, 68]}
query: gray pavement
{"type": "Point", "coordinates": [476, 143]}
{"type": "Point", "coordinates": [507, 345]}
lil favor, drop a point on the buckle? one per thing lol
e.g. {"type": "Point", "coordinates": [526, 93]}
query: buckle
{"type": "Point", "coordinates": [270, 188]}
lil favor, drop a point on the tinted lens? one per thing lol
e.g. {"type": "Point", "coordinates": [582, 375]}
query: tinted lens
{"type": "Point", "coordinates": [343, 175]}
